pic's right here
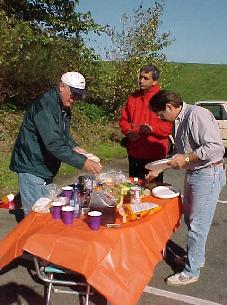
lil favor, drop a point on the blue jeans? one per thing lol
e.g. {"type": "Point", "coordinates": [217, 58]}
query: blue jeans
{"type": "Point", "coordinates": [31, 189]}
{"type": "Point", "coordinates": [201, 191]}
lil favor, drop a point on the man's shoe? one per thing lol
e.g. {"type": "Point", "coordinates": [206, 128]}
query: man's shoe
{"type": "Point", "coordinates": [180, 279]}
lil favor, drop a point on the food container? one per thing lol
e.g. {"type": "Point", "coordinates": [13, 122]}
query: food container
{"type": "Point", "coordinates": [103, 202]}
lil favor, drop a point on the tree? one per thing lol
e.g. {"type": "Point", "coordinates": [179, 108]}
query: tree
{"type": "Point", "coordinates": [56, 17]}
{"type": "Point", "coordinates": [135, 45]}
{"type": "Point", "coordinates": [39, 41]}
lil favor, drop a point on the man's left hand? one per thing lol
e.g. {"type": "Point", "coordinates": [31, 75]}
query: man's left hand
{"type": "Point", "coordinates": [145, 129]}
{"type": "Point", "coordinates": [177, 161]}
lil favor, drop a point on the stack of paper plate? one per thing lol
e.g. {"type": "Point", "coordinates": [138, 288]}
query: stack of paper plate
{"type": "Point", "coordinates": [168, 191]}
{"type": "Point", "coordinates": [158, 165]}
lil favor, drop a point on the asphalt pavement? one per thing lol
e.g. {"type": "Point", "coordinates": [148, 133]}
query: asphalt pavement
{"type": "Point", "coordinates": [19, 284]}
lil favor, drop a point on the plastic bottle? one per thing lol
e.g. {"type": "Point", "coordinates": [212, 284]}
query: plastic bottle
{"type": "Point", "coordinates": [136, 181]}
{"type": "Point", "coordinates": [135, 191]}
{"type": "Point", "coordinates": [87, 199]}
{"type": "Point", "coordinates": [71, 199]}
{"type": "Point", "coordinates": [77, 203]}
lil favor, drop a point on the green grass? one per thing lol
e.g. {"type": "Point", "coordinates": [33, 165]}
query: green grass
{"type": "Point", "coordinates": [105, 151]}
{"type": "Point", "coordinates": [200, 82]}
{"type": "Point", "coordinates": [108, 151]}
{"type": "Point", "coordinates": [8, 179]}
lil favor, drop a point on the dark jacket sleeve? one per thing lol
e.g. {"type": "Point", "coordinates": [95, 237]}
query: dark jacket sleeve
{"type": "Point", "coordinates": [57, 143]}
{"type": "Point", "coordinates": [71, 141]}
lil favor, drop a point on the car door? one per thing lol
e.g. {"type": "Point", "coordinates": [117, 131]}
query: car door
{"type": "Point", "coordinates": [220, 114]}
{"type": "Point", "coordinates": [224, 124]}
{"type": "Point", "coordinates": [217, 111]}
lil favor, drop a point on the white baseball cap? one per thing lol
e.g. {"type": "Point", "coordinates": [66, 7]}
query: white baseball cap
{"type": "Point", "coordinates": [75, 81]}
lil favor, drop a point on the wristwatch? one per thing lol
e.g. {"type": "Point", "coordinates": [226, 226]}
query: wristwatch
{"type": "Point", "coordinates": [186, 158]}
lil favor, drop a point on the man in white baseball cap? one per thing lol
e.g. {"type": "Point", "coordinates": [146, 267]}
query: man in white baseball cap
{"type": "Point", "coordinates": [72, 88]}
{"type": "Point", "coordinates": [76, 82]}
{"type": "Point", "coordinates": [44, 140]}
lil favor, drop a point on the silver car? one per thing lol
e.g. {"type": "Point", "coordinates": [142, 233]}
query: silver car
{"type": "Point", "coordinates": [219, 110]}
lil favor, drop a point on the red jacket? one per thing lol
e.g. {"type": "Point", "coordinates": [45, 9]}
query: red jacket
{"type": "Point", "coordinates": [135, 112]}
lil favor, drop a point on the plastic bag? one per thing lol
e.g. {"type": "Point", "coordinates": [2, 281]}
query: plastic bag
{"type": "Point", "coordinates": [112, 177]}
{"type": "Point", "coordinates": [42, 205]}
{"type": "Point", "coordinates": [52, 191]}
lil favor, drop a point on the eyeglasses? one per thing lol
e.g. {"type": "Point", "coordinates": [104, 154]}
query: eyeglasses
{"type": "Point", "coordinates": [74, 95]}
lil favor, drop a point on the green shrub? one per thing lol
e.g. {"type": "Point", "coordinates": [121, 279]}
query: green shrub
{"type": "Point", "coordinates": [93, 112]}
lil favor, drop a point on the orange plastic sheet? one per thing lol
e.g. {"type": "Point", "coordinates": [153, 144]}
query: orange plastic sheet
{"type": "Point", "coordinates": [118, 262]}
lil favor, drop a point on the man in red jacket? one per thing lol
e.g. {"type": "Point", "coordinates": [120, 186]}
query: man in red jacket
{"type": "Point", "coordinates": [146, 135]}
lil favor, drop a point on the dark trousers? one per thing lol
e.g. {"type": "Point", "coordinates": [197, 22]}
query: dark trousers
{"type": "Point", "coordinates": [137, 168]}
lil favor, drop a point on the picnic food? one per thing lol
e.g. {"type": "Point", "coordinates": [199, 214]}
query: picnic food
{"type": "Point", "coordinates": [131, 212]}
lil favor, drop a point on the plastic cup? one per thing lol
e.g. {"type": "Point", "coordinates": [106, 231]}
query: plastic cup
{"type": "Point", "coordinates": [67, 215]}
{"type": "Point", "coordinates": [67, 191]}
{"type": "Point", "coordinates": [56, 209]}
{"type": "Point", "coordinates": [94, 219]}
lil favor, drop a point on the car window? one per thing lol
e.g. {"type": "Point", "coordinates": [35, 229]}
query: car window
{"type": "Point", "coordinates": [215, 110]}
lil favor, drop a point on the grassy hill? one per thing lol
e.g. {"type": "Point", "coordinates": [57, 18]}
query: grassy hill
{"type": "Point", "coordinates": [201, 82]}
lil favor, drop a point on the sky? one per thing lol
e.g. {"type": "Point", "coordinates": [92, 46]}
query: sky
{"type": "Point", "coordinates": [199, 27]}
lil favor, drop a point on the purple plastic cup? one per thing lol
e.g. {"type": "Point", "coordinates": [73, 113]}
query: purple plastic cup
{"type": "Point", "coordinates": [67, 214]}
{"type": "Point", "coordinates": [56, 210]}
{"type": "Point", "coordinates": [67, 191]}
{"type": "Point", "coordinates": [94, 219]}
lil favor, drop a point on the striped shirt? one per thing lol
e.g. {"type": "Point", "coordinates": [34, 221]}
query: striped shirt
{"type": "Point", "coordinates": [197, 131]}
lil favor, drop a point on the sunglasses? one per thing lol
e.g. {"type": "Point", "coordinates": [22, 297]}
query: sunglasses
{"type": "Point", "coordinates": [74, 94]}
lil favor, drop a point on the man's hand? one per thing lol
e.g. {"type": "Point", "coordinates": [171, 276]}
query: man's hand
{"type": "Point", "coordinates": [152, 175]}
{"type": "Point", "coordinates": [145, 129]}
{"type": "Point", "coordinates": [177, 161]}
{"type": "Point", "coordinates": [133, 136]}
{"type": "Point", "coordinates": [92, 166]}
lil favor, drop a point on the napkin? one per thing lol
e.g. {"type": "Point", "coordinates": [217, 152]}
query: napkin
{"type": "Point", "coordinates": [42, 205]}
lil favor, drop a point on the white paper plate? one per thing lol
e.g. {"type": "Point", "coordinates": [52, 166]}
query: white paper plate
{"type": "Point", "coordinates": [158, 165]}
{"type": "Point", "coordinates": [168, 191]}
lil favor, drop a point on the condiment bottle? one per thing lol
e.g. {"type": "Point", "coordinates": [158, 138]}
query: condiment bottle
{"type": "Point", "coordinates": [136, 181]}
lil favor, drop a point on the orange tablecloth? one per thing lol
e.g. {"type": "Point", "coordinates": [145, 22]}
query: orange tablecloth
{"type": "Point", "coordinates": [117, 262]}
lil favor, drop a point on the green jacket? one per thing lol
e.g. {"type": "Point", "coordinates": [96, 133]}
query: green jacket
{"type": "Point", "coordinates": [44, 139]}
